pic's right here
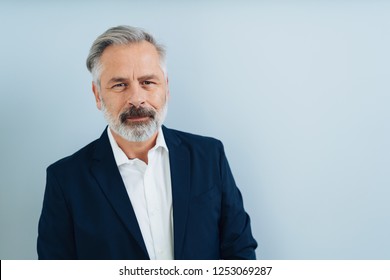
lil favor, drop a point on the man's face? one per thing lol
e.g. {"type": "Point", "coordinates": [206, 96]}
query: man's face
{"type": "Point", "coordinates": [133, 90]}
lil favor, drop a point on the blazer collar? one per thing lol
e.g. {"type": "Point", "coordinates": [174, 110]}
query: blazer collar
{"type": "Point", "coordinates": [106, 173]}
{"type": "Point", "coordinates": [179, 161]}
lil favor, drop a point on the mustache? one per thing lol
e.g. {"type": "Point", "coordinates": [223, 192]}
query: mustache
{"type": "Point", "coordinates": [140, 112]}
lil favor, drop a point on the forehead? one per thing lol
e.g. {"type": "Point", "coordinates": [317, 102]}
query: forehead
{"type": "Point", "coordinates": [138, 57]}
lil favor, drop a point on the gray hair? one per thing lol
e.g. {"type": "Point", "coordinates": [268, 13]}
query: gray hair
{"type": "Point", "coordinates": [120, 35]}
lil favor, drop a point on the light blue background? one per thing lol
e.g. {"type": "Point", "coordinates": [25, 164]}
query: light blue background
{"type": "Point", "coordinates": [298, 92]}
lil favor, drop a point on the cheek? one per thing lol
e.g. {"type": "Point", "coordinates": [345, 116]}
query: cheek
{"type": "Point", "coordinates": [159, 104]}
{"type": "Point", "coordinates": [114, 105]}
{"type": "Point", "coordinates": [160, 100]}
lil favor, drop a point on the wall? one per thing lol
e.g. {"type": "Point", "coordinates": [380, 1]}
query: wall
{"type": "Point", "coordinates": [298, 92]}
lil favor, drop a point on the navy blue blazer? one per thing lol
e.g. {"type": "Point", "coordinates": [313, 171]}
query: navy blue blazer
{"type": "Point", "coordinates": [87, 213]}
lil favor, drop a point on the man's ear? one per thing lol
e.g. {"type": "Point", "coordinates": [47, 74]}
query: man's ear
{"type": "Point", "coordinates": [97, 96]}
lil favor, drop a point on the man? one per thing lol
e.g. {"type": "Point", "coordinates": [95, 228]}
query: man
{"type": "Point", "coordinates": [141, 191]}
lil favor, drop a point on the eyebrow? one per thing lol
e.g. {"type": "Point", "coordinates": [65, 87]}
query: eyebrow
{"type": "Point", "coordinates": [142, 78]}
{"type": "Point", "coordinates": [148, 77]}
{"type": "Point", "coordinates": [117, 80]}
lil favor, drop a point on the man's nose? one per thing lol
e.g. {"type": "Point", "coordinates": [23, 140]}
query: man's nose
{"type": "Point", "coordinates": [136, 96]}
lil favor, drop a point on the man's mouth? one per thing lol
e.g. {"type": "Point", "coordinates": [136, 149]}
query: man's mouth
{"type": "Point", "coordinates": [135, 115]}
{"type": "Point", "coordinates": [137, 119]}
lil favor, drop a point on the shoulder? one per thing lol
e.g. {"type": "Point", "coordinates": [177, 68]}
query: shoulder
{"type": "Point", "coordinates": [200, 148]}
{"type": "Point", "coordinates": [173, 136]}
{"type": "Point", "coordinates": [76, 160]}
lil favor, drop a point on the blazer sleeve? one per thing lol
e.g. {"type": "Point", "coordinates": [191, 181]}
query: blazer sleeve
{"type": "Point", "coordinates": [55, 229]}
{"type": "Point", "coordinates": [237, 241]}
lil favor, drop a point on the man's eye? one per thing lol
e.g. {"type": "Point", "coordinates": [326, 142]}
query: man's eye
{"type": "Point", "coordinates": [119, 85]}
{"type": "Point", "coordinates": [146, 83]}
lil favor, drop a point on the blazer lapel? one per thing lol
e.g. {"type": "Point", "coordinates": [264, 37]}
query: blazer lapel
{"type": "Point", "coordinates": [106, 173]}
{"type": "Point", "coordinates": [179, 158]}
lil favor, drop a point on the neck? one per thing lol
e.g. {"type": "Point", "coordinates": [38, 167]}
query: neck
{"type": "Point", "coordinates": [136, 149]}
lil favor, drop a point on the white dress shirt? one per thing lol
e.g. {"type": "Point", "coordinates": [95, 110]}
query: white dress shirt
{"type": "Point", "coordinates": [150, 193]}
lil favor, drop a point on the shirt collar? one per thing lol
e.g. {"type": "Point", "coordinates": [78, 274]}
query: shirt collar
{"type": "Point", "coordinates": [120, 156]}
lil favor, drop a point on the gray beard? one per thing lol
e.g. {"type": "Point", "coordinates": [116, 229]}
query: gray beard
{"type": "Point", "coordinates": [138, 132]}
